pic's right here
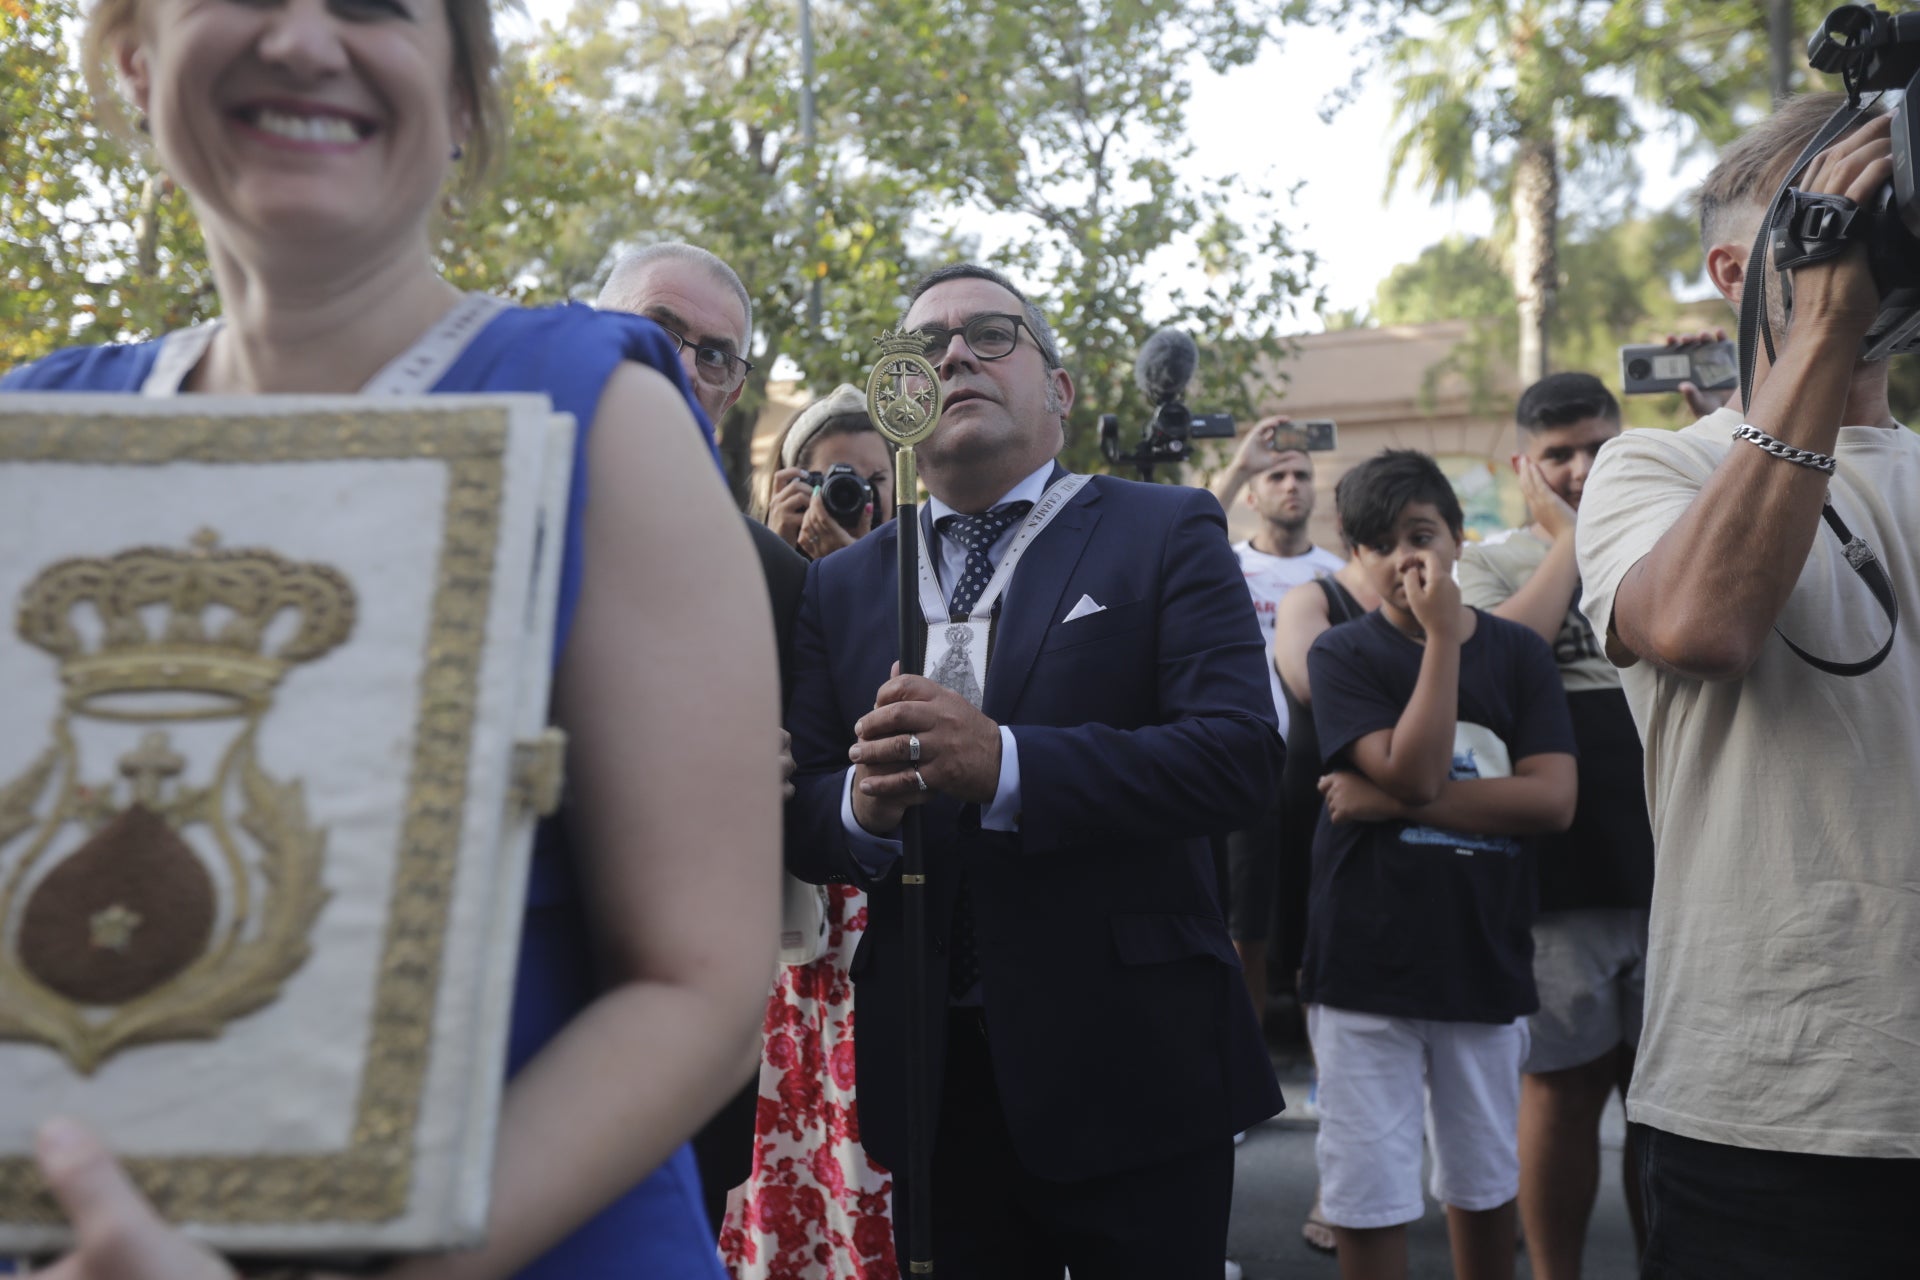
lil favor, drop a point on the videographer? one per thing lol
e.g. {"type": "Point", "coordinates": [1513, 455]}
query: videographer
{"type": "Point", "coordinates": [1778, 1064]}
{"type": "Point", "coordinates": [828, 455]}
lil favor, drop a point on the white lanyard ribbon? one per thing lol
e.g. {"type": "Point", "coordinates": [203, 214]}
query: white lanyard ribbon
{"type": "Point", "coordinates": [956, 651]}
{"type": "Point", "coordinates": [414, 372]}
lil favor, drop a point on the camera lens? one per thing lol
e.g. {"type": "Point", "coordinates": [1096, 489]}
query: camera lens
{"type": "Point", "coordinates": [844, 495]}
{"type": "Point", "coordinates": [1639, 368]}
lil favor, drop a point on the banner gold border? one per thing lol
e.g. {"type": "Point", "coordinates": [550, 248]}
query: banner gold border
{"type": "Point", "coordinates": [371, 1179]}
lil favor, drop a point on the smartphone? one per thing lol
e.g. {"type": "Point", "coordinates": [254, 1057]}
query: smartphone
{"type": "Point", "coordinates": [1316, 435]}
{"type": "Point", "coordinates": [1710, 366]}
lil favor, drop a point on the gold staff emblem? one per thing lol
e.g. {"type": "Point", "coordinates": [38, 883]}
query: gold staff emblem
{"type": "Point", "coordinates": [166, 902]}
{"type": "Point", "coordinates": [904, 396]}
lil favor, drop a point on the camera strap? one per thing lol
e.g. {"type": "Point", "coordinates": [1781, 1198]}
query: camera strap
{"type": "Point", "coordinates": [1813, 227]}
{"type": "Point", "coordinates": [1861, 560]}
{"type": "Point", "coordinates": [1754, 328]}
{"type": "Point", "coordinates": [1781, 212]}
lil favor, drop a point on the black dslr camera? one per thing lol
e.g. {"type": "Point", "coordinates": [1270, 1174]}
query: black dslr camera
{"type": "Point", "coordinates": [844, 493]}
{"type": "Point", "coordinates": [1872, 51]}
{"type": "Point", "coordinates": [1162, 369]}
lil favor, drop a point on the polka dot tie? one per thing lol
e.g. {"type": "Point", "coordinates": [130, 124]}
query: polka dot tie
{"type": "Point", "coordinates": [978, 534]}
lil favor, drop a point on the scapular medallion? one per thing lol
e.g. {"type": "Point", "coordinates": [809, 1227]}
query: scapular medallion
{"type": "Point", "coordinates": [156, 883]}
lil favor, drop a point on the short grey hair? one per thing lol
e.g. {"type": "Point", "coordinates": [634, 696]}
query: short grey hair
{"type": "Point", "coordinates": [1042, 331]}
{"type": "Point", "coordinates": [621, 292]}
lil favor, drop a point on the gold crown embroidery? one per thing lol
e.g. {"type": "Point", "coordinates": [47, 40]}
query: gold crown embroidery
{"type": "Point", "coordinates": [167, 902]}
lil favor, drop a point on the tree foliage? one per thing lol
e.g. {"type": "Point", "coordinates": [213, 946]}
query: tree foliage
{"type": "Point", "coordinates": [1053, 135]}
{"type": "Point", "coordinates": [941, 125]}
{"type": "Point", "coordinates": [95, 244]}
{"type": "Point", "coordinates": [1622, 284]}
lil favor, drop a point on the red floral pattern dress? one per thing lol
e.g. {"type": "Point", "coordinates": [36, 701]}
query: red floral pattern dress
{"type": "Point", "coordinates": [816, 1208]}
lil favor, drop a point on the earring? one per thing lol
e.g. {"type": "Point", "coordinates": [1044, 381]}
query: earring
{"type": "Point", "coordinates": [458, 151]}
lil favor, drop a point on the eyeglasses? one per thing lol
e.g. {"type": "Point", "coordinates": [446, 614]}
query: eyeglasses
{"type": "Point", "coordinates": [715, 366]}
{"type": "Point", "coordinates": [991, 336]}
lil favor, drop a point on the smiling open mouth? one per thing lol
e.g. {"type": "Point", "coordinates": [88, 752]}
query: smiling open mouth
{"type": "Point", "coordinates": [304, 126]}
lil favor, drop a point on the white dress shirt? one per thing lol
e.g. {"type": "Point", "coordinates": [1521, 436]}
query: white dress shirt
{"type": "Point", "coordinates": [877, 853]}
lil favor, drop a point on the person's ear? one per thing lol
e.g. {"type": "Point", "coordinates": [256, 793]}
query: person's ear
{"type": "Point", "coordinates": [733, 398]}
{"type": "Point", "coordinates": [1513, 460]}
{"type": "Point", "coordinates": [131, 60]}
{"type": "Point", "coordinates": [1062, 383]}
{"type": "Point", "coordinates": [1727, 269]}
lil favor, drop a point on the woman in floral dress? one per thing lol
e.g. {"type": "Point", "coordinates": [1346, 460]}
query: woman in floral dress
{"type": "Point", "coordinates": [815, 1207]}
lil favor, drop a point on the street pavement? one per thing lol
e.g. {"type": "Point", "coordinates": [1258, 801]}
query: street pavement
{"type": "Point", "coordinates": [1273, 1187]}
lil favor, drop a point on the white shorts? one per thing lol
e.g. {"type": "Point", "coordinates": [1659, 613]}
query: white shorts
{"type": "Point", "coordinates": [1590, 967]}
{"type": "Point", "coordinates": [1379, 1076]}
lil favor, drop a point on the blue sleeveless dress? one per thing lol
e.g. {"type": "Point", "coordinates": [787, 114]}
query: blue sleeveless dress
{"type": "Point", "coordinates": [658, 1229]}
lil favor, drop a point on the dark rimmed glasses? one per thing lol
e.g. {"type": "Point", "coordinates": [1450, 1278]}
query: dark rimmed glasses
{"type": "Point", "coordinates": [991, 336]}
{"type": "Point", "coordinates": [715, 366]}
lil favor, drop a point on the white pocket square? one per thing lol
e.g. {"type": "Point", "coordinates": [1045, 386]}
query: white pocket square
{"type": "Point", "coordinates": [1085, 608]}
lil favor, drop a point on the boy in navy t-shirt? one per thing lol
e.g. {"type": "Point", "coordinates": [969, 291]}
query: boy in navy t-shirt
{"type": "Point", "coordinates": [1447, 739]}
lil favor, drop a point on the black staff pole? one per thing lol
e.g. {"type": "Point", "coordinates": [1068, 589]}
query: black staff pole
{"type": "Point", "coordinates": [904, 400]}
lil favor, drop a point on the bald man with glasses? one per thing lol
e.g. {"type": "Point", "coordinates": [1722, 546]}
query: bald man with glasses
{"type": "Point", "coordinates": [700, 302]}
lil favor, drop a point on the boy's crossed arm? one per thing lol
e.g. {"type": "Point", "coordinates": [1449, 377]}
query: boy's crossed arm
{"type": "Point", "coordinates": [1538, 798]}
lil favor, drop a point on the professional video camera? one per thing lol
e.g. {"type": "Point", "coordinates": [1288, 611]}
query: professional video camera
{"type": "Point", "coordinates": [1873, 52]}
{"type": "Point", "coordinates": [1162, 370]}
{"type": "Point", "coordinates": [844, 493]}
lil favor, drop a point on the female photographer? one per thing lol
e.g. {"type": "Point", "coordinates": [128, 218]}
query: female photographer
{"type": "Point", "coordinates": [832, 431]}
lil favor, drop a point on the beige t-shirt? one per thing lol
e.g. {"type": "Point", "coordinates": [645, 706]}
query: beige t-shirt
{"type": "Point", "coordinates": [1491, 572]}
{"type": "Point", "coordinates": [1783, 983]}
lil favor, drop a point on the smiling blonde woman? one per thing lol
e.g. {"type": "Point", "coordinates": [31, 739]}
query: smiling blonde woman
{"type": "Point", "coordinates": [314, 138]}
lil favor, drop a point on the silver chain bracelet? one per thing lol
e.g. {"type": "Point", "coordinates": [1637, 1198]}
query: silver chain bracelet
{"type": "Point", "coordinates": [1822, 462]}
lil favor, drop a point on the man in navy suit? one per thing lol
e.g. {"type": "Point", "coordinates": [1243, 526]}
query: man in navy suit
{"type": "Point", "coordinates": [1097, 1051]}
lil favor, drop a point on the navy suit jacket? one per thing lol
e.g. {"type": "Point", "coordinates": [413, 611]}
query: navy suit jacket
{"type": "Point", "coordinates": [1119, 1025]}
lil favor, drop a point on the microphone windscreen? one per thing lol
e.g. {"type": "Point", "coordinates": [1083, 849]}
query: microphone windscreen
{"type": "Point", "coordinates": [1165, 365]}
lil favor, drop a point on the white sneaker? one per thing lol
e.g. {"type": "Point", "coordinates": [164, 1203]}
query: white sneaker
{"type": "Point", "coordinates": [1233, 1270]}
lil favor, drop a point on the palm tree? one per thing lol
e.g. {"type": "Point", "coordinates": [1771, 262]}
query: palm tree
{"type": "Point", "coordinates": [1507, 96]}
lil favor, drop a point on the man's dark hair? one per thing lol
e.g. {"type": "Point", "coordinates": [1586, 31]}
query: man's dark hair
{"type": "Point", "coordinates": [1372, 495]}
{"type": "Point", "coordinates": [1562, 399]}
{"type": "Point", "coordinates": [1042, 331]}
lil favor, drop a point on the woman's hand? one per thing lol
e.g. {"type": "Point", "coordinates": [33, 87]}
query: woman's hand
{"type": "Point", "coordinates": [821, 534]}
{"type": "Point", "coordinates": [117, 1235]}
{"type": "Point", "coordinates": [792, 495]}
